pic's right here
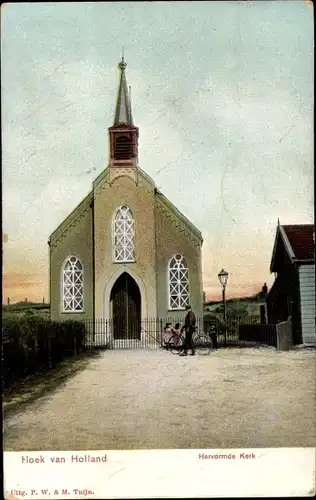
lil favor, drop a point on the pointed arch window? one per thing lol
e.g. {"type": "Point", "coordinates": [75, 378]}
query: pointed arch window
{"type": "Point", "coordinates": [72, 284]}
{"type": "Point", "coordinates": [124, 235]}
{"type": "Point", "coordinates": [178, 285]}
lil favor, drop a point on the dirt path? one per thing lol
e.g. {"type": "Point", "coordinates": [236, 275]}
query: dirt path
{"type": "Point", "coordinates": [152, 399]}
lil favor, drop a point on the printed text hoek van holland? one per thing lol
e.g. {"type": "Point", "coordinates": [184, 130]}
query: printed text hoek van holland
{"type": "Point", "coordinates": [58, 460]}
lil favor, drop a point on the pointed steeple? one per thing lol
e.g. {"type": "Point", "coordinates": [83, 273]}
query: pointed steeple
{"type": "Point", "coordinates": [123, 135]}
{"type": "Point", "coordinates": [123, 111]}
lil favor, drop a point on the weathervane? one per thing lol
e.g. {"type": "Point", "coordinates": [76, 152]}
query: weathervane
{"type": "Point", "coordinates": [122, 64]}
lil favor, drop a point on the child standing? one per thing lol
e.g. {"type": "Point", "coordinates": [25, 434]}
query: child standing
{"type": "Point", "coordinates": [167, 334]}
{"type": "Point", "coordinates": [176, 332]}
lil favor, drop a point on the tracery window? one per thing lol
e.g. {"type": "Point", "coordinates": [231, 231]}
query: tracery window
{"type": "Point", "coordinates": [72, 285]}
{"type": "Point", "coordinates": [178, 276]}
{"type": "Point", "coordinates": [124, 233]}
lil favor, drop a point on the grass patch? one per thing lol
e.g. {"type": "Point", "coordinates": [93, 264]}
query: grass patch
{"type": "Point", "coordinates": [25, 391]}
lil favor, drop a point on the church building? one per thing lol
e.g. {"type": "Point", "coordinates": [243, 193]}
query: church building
{"type": "Point", "coordinates": [125, 253]}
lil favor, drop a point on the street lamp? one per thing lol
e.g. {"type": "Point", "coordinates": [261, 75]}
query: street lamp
{"type": "Point", "coordinates": [223, 277]}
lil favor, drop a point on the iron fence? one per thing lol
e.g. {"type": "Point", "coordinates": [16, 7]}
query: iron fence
{"type": "Point", "coordinates": [101, 333]}
{"type": "Point", "coordinates": [239, 332]}
{"type": "Point", "coordinates": [257, 334]}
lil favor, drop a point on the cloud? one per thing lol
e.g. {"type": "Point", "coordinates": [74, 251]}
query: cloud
{"type": "Point", "coordinates": [19, 284]}
{"type": "Point", "coordinates": [18, 280]}
{"type": "Point", "coordinates": [241, 290]}
{"type": "Point", "coordinates": [33, 222]}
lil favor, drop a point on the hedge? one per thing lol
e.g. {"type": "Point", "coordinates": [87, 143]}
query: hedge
{"type": "Point", "coordinates": [33, 344]}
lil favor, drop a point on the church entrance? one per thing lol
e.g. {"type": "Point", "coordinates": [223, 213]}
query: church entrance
{"type": "Point", "coordinates": [126, 308]}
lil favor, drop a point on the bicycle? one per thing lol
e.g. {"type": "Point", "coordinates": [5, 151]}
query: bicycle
{"type": "Point", "coordinates": [202, 342]}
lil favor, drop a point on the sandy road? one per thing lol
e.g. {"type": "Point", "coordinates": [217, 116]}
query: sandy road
{"type": "Point", "coordinates": [152, 399]}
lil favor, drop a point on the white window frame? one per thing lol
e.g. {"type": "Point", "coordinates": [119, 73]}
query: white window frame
{"type": "Point", "coordinates": [119, 230]}
{"type": "Point", "coordinates": [71, 297]}
{"type": "Point", "coordinates": [180, 272]}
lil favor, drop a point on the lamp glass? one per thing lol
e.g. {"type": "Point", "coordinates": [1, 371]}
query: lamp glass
{"type": "Point", "coordinates": [223, 277]}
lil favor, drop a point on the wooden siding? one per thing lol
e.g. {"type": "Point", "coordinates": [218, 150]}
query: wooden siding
{"type": "Point", "coordinates": [307, 293]}
{"type": "Point", "coordinates": [283, 300]}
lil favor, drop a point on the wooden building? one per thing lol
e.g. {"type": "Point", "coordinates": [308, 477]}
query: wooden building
{"type": "Point", "coordinates": [293, 291]}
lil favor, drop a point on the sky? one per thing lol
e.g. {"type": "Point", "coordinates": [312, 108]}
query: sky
{"type": "Point", "coordinates": [222, 93]}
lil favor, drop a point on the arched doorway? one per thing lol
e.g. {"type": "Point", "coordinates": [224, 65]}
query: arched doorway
{"type": "Point", "coordinates": [125, 301]}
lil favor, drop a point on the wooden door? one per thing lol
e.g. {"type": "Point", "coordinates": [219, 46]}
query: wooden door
{"type": "Point", "coordinates": [126, 307]}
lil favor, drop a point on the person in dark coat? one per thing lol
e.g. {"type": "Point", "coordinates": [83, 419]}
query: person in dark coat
{"type": "Point", "coordinates": [265, 289]}
{"type": "Point", "coordinates": [189, 326]}
{"type": "Point", "coordinates": [213, 335]}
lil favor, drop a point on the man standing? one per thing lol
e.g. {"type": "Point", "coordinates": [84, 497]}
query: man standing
{"type": "Point", "coordinates": [213, 335]}
{"type": "Point", "coordinates": [189, 325]}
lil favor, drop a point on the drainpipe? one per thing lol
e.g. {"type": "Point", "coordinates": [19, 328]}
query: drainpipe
{"type": "Point", "coordinates": [93, 265]}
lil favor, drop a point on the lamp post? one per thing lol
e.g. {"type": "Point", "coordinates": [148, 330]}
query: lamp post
{"type": "Point", "coordinates": [223, 277]}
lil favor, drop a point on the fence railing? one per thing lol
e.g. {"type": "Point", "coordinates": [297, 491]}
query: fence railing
{"type": "Point", "coordinates": [258, 334]}
{"type": "Point", "coordinates": [241, 331]}
{"type": "Point", "coordinates": [150, 334]}
{"type": "Point", "coordinates": [103, 333]}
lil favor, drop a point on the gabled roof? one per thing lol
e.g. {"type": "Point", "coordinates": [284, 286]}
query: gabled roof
{"type": "Point", "coordinates": [301, 240]}
{"type": "Point", "coordinates": [81, 207]}
{"type": "Point", "coordinates": [178, 214]}
{"type": "Point", "coordinates": [171, 206]}
{"type": "Point", "coordinates": [85, 203]}
{"type": "Point", "coordinates": [298, 241]}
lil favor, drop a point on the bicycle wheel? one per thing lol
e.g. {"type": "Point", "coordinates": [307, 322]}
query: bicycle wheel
{"type": "Point", "coordinates": [176, 344]}
{"type": "Point", "coordinates": [203, 344]}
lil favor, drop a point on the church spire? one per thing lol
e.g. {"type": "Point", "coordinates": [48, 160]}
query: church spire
{"type": "Point", "coordinates": [123, 111]}
{"type": "Point", "coordinates": [123, 135]}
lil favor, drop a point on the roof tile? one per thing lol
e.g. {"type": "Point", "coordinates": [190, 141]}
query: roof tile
{"type": "Point", "coordinates": [301, 240]}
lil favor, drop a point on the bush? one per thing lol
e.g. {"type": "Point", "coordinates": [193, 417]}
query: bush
{"type": "Point", "coordinates": [31, 344]}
